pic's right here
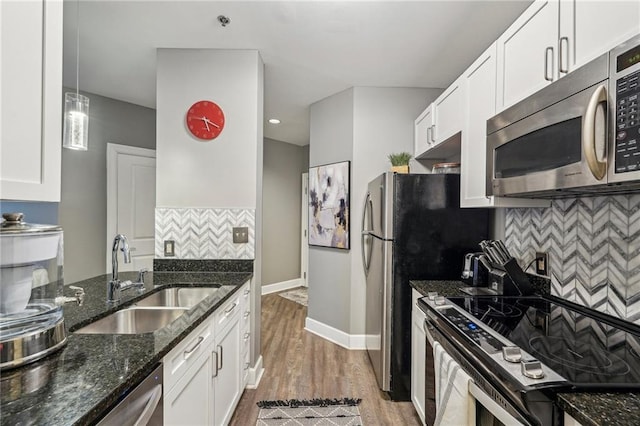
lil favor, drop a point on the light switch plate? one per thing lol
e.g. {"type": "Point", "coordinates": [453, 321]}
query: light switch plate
{"type": "Point", "coordinates": [169, 248]}
{"type": "Point", "coordinates": [240, 235]}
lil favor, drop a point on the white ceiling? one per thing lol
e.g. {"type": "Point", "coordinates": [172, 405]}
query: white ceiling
{"type": "Point", "coordinates": [311, 49]}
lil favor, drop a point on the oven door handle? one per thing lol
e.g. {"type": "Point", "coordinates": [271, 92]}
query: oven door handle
{"type": "Point", "coordinates": [592, 146]}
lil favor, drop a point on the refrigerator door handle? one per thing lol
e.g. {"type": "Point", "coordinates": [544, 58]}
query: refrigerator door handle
{"type": "Point", "coordinates": [366, 257]}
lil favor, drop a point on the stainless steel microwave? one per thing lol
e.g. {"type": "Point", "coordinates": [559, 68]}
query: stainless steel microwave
{"type": "Point", "coordinates": [578, 136]}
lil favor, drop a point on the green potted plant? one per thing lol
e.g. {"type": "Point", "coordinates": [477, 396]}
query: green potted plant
{"type": "Point", "coordinates": [400, 162]}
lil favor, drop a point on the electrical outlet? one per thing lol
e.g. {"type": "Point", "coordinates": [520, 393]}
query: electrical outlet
{"type": "Point", "coordinates": [241, 235]}
{"type": "Point", "coordinates": [169, 248]}
{"type": "Point", "coordinates": [542, 263]}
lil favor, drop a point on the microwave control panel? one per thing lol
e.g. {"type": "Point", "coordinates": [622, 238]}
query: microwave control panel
{"type": "Point", "coordinates": [627, 131]}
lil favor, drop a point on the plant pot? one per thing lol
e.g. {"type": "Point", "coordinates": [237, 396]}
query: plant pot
{"type": "Point", "coordinates": [400, 169]}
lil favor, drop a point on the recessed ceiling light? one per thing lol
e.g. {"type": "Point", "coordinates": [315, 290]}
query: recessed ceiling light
{"type": "Point", "coordinates": [274, 121]}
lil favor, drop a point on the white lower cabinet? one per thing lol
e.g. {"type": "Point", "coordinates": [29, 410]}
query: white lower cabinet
{"type": "Point", "coordinates": [189, 402]}
{"type": "Point", "coordinates": [204, 372]}
{"type": "Point", "coordinates": [418, 356]}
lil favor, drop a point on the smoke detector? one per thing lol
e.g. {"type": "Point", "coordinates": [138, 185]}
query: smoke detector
{"type": "Point", "coordinates": [224, 20]}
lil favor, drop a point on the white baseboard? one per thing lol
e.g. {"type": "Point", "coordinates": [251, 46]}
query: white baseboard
{"type": "Point", "coordinates": [339, 337]}
{"type": "Point", "coordinates": [255, 375]}
{"type": "Point", "coordinates": [281, 286]}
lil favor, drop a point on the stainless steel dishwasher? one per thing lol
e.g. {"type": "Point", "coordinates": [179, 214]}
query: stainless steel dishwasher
{"type": "Point", "coordinates": [142, 406]}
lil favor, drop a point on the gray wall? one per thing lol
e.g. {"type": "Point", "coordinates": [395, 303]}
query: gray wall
{"type": "Point", "coordinates": [83, 204]}
{"type": "Point", "coordinates": [331, 140]}
{"type": "Point", "coordinates": [364, 125]}
{"type": "Point", "coordinates": [284, 164]}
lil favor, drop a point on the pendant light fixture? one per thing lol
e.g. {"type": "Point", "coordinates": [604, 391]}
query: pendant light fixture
{"type": "Point", "coordinates": [76, 106]}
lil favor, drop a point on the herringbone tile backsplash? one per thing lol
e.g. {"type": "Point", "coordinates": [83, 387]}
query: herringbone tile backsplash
{"type": "Point", "coordinates": [204, 233]}
{"type": "Point", "coordinates": [594, 249]}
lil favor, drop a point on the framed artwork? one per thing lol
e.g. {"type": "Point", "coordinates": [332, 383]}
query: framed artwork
{"type": "Point", "coordinates": [329, 205]}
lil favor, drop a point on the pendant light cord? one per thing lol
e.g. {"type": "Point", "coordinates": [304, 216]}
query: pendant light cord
{"type": "Point", "coordinates": [78, 49]}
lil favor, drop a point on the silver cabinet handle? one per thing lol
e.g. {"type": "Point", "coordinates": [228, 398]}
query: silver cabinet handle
{"type": "Point", "coordinates": [221, 358]}
{"type": "Point", "coordinates": [228, 311]}
{"type": "Point", "coordinates": [589, 143]}
{"type": "Point", "coordinates": [546, 63]}
{"type": "Point", "coordinates": [149, 409]}
{"type": "Point", "coordinates": [433, 133]}
{"type": "Point", "coordinates": [215, 364]}
{"type": "Point", "coordinates": [188, 352]}
{"type": "Point", "coordinates": [561, 55]}
{"type": "Point", "coordinates": [428, 135]}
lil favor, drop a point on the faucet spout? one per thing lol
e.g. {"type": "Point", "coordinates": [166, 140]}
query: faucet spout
{"type": "Point", "coordinates": [113, 286]}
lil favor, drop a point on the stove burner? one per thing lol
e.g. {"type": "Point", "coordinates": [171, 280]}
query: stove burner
{"type": "Point", "coordinates": [586, 358]}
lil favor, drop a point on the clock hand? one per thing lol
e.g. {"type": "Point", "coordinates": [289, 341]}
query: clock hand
{"type": "Point", "coordinates": [210, 122]}
{"type": "Point", "coordinates": [205, 123]}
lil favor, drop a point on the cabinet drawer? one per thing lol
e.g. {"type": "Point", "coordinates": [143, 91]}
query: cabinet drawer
{"type": "Point", "coordinates": [185, 353]}
{"type": "Point", "coordinates": [224, 315]}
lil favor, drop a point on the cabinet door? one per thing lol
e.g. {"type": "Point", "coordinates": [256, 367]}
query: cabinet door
{"type": "Point", "coordinates": [418, 348]}
{"type": "Point", "coordinates": [423, 133]}
{"type": "Point", "coordinates": [190, 401]}
{"type": "Point", "coordinates": [527, 53]}
{"type": "Point", "coordinates": [31, 87]}
{"type": "Point", "coordinates": [480, 102]}
{"type": "Point", "coordinates": [590, 28]}
{"type": "Point", "coordinates": [479, 89]}
{"type": "Point", "coordinates": [448, 112]}
{"type": "Point", "coordinates": [226, 373]}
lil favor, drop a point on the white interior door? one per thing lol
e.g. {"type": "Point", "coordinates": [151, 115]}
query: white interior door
{"type": "Point", "coordinates": [131, 201]}
{"type": "Point", "coordinates": [304, 225]}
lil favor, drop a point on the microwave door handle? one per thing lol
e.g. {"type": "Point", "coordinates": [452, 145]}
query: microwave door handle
{"type": "Point", "coordinates": [592, 146]}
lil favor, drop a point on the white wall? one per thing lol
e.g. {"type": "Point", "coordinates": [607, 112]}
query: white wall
{"type": "Point", "coordinates": [364, 125]}
{"type": "Point", "coordinates": [221, 172]}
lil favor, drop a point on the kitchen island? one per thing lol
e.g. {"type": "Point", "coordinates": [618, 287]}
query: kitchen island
{"type": "Point", "coordinates": [587, 408]}
{"type": "Point", "coordinates": [79, 383]}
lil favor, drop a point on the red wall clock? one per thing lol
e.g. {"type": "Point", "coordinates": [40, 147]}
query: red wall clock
{"type": "Point", "coordinates": [205, 120]}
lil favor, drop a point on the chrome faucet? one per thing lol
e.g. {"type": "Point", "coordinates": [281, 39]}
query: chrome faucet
{"type": "Point", "coordinates": [115, 287]}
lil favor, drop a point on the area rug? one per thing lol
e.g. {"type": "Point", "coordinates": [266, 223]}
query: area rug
{"type": "Point", "coordinates": [310, 412]}
{"type": "Point", "coordinates": [298, 295]}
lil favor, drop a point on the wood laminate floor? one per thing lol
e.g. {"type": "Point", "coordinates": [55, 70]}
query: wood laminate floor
{"type": "Point", "coordinates": [301, 365]}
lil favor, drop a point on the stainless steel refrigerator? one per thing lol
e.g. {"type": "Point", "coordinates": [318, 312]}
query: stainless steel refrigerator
{"type": "Point", "coordinates": [412, 228]}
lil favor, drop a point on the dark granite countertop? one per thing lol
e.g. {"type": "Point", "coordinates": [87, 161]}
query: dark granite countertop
{"type": "Point", "coordinates": [78, 383]}
{"type": "Point", "coordinates": [590, 409]}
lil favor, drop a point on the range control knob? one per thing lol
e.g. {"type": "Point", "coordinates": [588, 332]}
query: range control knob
{"type": "Point", "coordinates": [511, 353]}
{"type": "Point", "coordinates": [532, 369]}
{"type": "Point", "coordinates": [439, 300]}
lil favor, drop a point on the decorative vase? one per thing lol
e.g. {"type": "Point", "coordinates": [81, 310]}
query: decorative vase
{"type": "Point", "coordinates": [400, 169]}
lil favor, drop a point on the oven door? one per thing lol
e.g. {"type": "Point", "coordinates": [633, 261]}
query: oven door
{"type": "Point", "coordinates": [488, 411]}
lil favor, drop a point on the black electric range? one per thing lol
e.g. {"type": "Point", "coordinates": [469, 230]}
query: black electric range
{"type": "Point", "coordinates": [522, 350]}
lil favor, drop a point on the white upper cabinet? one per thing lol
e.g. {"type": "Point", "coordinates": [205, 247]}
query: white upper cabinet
{"type": "Point", "coordinates": [448, 116]}
{"type": "Point", "coordinates": [527, 53]}
{"type": "Point", "coordinates": [479, 88]}
{"type": "Point", "coordinates": [590, 28]}
{"type": "Point", "coordinates": [31, 100]}
{"type": "Point", "coordinates": [438, 123]}
{"type": "Point", "coordinates": [554, 37]}
{"type": "Point", "coordinates": [423, 132]}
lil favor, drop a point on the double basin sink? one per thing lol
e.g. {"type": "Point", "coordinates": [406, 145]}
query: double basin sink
{"type": "Point", "coordinates": [151, 313]}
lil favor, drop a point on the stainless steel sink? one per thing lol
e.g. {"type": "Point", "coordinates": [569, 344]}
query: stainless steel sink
{"type": "Point", "coordinates": [181, 297]}
{"type": "Point", "coordinates": [134, 320]}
